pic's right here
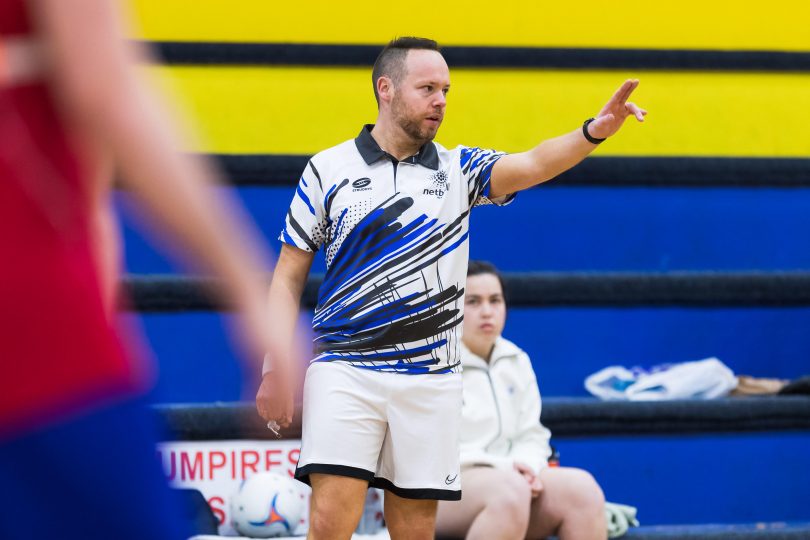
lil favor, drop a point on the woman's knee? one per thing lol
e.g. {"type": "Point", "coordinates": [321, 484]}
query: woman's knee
{"type": "Point", "coordinates": [584, 493]}
{"type": "Point", "coordinates": [511, 498]}
{"type": "Point", "coordinates": [591, 491]}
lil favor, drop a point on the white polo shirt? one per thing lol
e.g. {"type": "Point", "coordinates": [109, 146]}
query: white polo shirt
{"type": "Point", "coordinates": [395, 235]}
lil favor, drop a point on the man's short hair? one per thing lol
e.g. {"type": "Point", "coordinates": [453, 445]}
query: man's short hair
{"type": "Point", "coordinates": [391, 60]}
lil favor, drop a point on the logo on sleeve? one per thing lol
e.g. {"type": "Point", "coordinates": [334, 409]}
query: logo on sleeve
{"type": "Point", "coordinates": [361, 184]}
{"type": "Point", "coordinates": [440, 184]}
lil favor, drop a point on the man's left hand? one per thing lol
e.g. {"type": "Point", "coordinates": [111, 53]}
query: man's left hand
{"type": "Point", "coordinates": [613, 115]}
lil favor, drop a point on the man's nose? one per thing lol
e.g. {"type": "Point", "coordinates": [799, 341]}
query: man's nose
{"type": "Point", "coordinates": [440, 100]}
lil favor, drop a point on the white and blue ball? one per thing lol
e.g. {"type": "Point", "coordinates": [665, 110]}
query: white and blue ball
{"type": "Point", "coordinates": [267, 505]}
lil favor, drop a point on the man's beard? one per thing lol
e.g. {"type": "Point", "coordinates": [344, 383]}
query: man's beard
{"type": "Point", "coordinates": [410, 126]}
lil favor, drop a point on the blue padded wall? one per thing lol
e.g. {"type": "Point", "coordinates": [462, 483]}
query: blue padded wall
{"type": "Point", "coordinates": [568, 344]}
{"type": "Point", "coordinates": [734, 478]}
{"type": "Point", "coordinates": [602, 229]}
{"type": "Point", "coordinates": [565, 345]}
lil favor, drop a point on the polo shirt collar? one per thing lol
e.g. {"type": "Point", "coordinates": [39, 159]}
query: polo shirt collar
{"type": "Point", "coordinates": [371, 151]}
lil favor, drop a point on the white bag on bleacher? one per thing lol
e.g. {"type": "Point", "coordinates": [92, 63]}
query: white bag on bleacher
{"type": "Point", "coordinates": [703, 379]}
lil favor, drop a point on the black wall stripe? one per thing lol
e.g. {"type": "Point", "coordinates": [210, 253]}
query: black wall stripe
{"type": "Point", "coordinates": [579, 417]}
{"type": "Point", "coordinates": [207, 53]}
{"type": "Point", "coordinates": [571, 417]}
{"type": "Point", "coordinates": [166, 293]}
{"type": "Point", "coordinates": [689, 172]}
{"type": "Point", "coordinates": [285, 170]}
{"type": "Point", "coordinates": [263, 169]}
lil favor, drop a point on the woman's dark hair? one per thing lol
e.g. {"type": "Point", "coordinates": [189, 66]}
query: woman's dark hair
{"type": "Point", "coordinates": [475, 268]}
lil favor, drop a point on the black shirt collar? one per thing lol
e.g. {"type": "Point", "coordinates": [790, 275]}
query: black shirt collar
{"type": "Point", "coordinates": [371, 151]}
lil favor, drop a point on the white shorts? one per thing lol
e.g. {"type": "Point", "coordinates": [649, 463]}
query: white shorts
{"type": "Point", "coordinates": [398, 432]}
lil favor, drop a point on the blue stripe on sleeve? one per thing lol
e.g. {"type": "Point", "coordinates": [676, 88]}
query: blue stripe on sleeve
{"type": "Point", "coordinates": [304, 197]}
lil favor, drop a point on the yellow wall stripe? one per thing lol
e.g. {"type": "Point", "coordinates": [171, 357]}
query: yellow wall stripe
{"type": "Point", "coordinates": [304, 110]}
{"type": "Point", "coordinates": [720, 24]}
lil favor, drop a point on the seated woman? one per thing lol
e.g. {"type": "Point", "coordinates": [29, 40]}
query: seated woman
{"type": "Point", "coordinates": [509, 491]}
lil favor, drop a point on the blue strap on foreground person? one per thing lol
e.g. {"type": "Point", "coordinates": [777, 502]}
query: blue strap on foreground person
{"type": "Point", "coordinates": [390, 209]}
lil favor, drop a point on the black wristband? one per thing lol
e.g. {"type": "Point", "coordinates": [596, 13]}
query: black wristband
{"type": "Point", "coordinates": [593, 140]}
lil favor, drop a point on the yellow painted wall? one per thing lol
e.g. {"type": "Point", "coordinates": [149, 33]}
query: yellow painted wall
{"type": "Point", "coordinates": [713, 24]}
{"type": "Point", "coordinates": [304, 110]}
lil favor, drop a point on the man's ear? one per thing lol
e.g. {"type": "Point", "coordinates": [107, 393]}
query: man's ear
{"type": "Point", "coordinates": [385, 89]}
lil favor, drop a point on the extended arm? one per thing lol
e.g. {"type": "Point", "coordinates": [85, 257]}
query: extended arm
{"type": "Point", "coordinates": [552, 157]}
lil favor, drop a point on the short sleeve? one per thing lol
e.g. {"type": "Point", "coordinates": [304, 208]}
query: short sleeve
{"type": "Point", "coordinates": [306, 224]}
{"type": "Point", "coordinates": [476, 168]}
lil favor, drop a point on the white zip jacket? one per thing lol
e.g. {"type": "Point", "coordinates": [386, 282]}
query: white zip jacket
{"type": "Point", "coordinates": [500, 418]}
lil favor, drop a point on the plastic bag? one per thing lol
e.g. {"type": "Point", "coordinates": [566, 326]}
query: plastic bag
{"type": "Point", "coordinates": [703, 379]}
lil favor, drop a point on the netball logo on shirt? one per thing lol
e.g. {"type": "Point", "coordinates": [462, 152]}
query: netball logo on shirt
{"type": "Point", "coordinates": [440, 184]}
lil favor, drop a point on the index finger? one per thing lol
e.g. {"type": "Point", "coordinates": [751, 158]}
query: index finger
{"type": "Point", "coordinates": [624, 91]}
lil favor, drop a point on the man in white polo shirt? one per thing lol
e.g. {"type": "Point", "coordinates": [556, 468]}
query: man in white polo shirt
{"type": "Point", "coordinates": [390, 209]}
